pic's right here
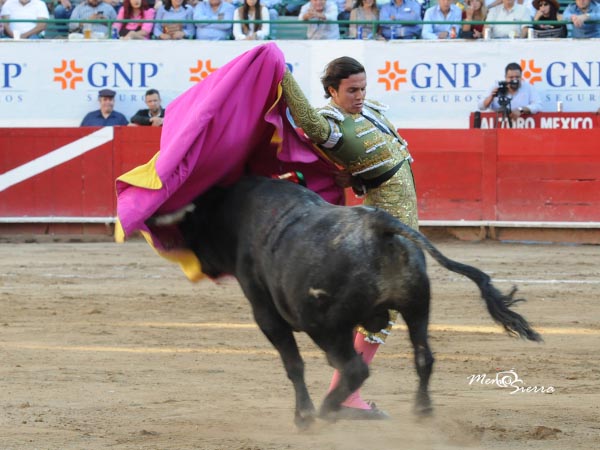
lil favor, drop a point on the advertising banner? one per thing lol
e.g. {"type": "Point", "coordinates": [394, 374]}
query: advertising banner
{"type": "Point", "coordinates": [553, 121]}
{"type": "Point", "coordinates": [427, 84]}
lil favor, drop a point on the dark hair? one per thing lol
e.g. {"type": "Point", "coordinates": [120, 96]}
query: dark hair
{"type": "Point", "coordinates": [359, 3]}
{"type": "Point", "coordinates": [151, 92]}
{"type": "Point", "coordinates": [128, 10]}
{"type": "Point", "coordinates": [337, 70]}
{"type": "Point", "coordinates": [552, 13]}
{"type": "Point", "coordinates": [513, 66]}
{"type": "Point", "coordinates": [257, 16]}
{"type": "Point", "coordinates": [167, 4]}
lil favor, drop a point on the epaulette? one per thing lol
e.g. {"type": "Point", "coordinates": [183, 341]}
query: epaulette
{"type": "Point", "coordinates": [332, 113]}
{"type": "Point", "coordinates": [373, 104]}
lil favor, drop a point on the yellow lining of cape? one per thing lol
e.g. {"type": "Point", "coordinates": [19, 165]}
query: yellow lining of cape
{"type": "Point", "coordinates": [144, 176]}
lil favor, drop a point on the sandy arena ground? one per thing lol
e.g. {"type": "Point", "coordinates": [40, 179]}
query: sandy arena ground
{"type": "Point", "coordinates": [106, 346]}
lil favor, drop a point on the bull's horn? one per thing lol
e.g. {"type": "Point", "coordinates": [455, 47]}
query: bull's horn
{"type": "Point", "coordinates": [171, 218]}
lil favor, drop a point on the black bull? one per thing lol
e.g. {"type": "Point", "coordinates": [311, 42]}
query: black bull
{"type": "Point", "coordinates": [306, 265]}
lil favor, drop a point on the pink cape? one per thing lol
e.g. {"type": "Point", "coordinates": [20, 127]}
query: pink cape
{"type": "Point", "coordinates": [230, 124]}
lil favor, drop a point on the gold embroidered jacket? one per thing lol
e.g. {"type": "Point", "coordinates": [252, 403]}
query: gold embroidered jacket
{"type": "Point", "coordinates": [366, 144]}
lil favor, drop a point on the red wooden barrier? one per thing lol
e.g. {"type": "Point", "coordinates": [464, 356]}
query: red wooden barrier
{"type": "Point", "coordinates": [472, 175]}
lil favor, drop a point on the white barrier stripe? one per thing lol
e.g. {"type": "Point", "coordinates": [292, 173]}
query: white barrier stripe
{"type": "Point", "coordinates": [432, 327]}
{"type": "Point", "coordinates": [58, 219]}
{"type": "Point", "coordinates": [507, 224]}
{"type": "Point", "coordinates": [524, 281]}
{"type": "Point", "coordinates": [56, 157]}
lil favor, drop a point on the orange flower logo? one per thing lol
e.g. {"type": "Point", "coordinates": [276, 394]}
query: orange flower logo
{"type": "Point", "coordinates": [531, 73]}
{"type": "Point", "coordinates": [201, 71]}
{"type": "Point", "coordinates": [68, 74]}
{"type": "Point", "coordinates": [392, 76]}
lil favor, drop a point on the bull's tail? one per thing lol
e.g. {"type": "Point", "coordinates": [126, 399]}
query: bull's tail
{"type": "Point", "coordinates": [498, 304]}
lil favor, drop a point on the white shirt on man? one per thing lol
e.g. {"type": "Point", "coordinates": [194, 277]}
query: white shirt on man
{"type": "Point", "coordinates": [518, 13]}
{"type": "Point", "coordinates": [34, 9]}
{"type": "Point", "coordinates": [316, 30]}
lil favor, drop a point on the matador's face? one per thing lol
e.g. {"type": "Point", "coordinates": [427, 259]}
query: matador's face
{"type": "Point", "coordinates": [350, 95]}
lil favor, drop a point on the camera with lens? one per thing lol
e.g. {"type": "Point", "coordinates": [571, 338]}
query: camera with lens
{"type": "Point", "coordinates": [502, 89]}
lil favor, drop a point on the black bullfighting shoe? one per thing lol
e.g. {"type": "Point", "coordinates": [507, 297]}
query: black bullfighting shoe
{"type": "Point", "coordinates": [347, 413]}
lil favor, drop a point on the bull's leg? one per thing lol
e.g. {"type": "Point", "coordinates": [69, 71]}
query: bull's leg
{"type": "Point", "coordinates": [280, 334]}
{"type": "Point", "coordinates": [417, 329]}
{"type": "Point", "coordinates": [353, 370]}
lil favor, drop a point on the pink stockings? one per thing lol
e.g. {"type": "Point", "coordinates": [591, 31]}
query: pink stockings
{"type": "Point", "coordinates": [367, 350]}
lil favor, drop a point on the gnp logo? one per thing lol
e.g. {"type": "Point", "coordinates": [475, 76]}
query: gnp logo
{"type": "Point", "coordinates": [9, 72]}
{"type": "Point", "coordinates": [530, 71]}
{"type": "Point", "coordinates": [201, 71]}
{"type": "Point", "coordinates": [428, 76]}
{"type": "Point", "coordinates": [101, 74]}
{"type": "Point", "coordinates": [574, 74]}
{"type": "Point", "coordinates": [392, 75]}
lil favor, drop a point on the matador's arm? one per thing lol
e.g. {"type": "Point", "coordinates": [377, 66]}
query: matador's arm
{"type": "Point", "coordinates": [312, 123]}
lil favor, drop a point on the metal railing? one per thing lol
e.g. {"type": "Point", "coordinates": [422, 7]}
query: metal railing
{"type": "Point", "coordinates": [283, 23]}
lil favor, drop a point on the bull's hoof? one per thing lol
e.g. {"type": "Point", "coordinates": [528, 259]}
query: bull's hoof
{"type": "Point", "coordinates": [423, 410]}
{"type": "Point", "coordinates": [304, 419]}
{"type": "Point", "coordinates": [346, 413]}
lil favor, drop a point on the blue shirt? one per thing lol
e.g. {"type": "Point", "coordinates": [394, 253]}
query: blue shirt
{"type": "Point", "coordinates": [217, 31]}
{"type": "Point", "coordinates": [409, 10]}
{"type": "Point", "coordinates": [431, 31]}
{"type": "Point", "coordinates": [588, 30]}
{"type": "Point", "coordinates": [185, 12]}
{"type": "Point", "coordinates": [96, 119]}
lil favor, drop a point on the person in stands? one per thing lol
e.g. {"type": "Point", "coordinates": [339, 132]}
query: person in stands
{"type": "Point", "coordinates": [23, 10]}
{"type": "Point", "coordinates": [154, 114]}
{"type": "Point", "coordinates": [584, 16]}
{"type": "Point", "coordinates": [106, 116]}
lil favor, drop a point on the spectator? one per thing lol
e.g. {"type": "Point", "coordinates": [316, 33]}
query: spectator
{"type": "Point", "coordinates": [251, 10]}
{"type": "Point", "coordinates": [216, 10]}
{"type": "Point", "coordinates": [400, 10]}
{"type": "Point", "coordinates": [291, 7]}
{"type": "Point", "coordinates": [1, 24]}
{"type": "Point", "coordinates": [475, 10]}
{"type": "Point", "coordinates": [93, 10]}
{"type": "Point", "coordinates": [23, 10]}
{"type": "Point", "coordinates": [135, 10]}
{"type": "Point", "coordinates": [445, 10]}
{"type": "Point", "coordinates": [528, 4]}
{"type": "Point", "coordinates": [154, 114]}
{"type": "Point", "coordinates": [520, 97]}
{"type": "Point", "coordinates": [364, 10]}
{"type": "Point", "coordinates": [274, 6]}
{"type": "Point", "coordinates": [547, 10]}
{"type": "Point", "coordinates": [174, 10]}
{"type": "Point", "coordinates": [106, 116]}
{"type": "Point", "coordinates": [509, 11]}
{"type": "Point", "coordinates": [63, 11]}
{"type": "Point", "coordinates": [580, 14]}
{"type": "Point", "coordinates": [319, 10]}
{"type": "Point", "coordinates": [344, 9]}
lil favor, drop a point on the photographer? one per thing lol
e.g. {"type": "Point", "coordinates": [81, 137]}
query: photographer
{"type": "Point", "coordinates": [513, 96]}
